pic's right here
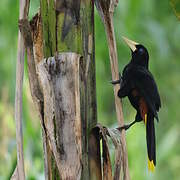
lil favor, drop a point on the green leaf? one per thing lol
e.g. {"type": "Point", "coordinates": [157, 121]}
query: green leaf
{"type": "Point", "coordinates": [176, 7]}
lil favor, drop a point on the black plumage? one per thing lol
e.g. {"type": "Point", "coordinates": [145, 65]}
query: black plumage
{"type": "Point", "coordinates": [138, 84]}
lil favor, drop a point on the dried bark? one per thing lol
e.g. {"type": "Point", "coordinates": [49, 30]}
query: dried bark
{"type": "Point", "coordinates": [59, 79]}
{"type": "Point", "coordinates": [101, 133]}
{"type": "Point", "coordinates": [61, 68]}
{"type": "Point", "coordinates": [63, 86]}
{"type": "Point", "coordinates": [20, 173]}
{"type": "Point", "coordinates": [106, 11]}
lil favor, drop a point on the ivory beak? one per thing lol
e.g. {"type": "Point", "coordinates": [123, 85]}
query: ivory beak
{"type": "Point", "coordinates": [130, 43]}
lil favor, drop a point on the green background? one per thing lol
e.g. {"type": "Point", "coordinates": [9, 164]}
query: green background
{"type": "Point", "coordinates": [151, 23]}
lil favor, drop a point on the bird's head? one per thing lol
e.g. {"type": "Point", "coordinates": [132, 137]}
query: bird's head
{"type": "Point", "coordinates": [140, 54]}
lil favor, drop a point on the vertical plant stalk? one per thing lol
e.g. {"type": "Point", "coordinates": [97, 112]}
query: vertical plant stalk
{"type": "Point", "coordinates": [67, 26]}
{"type": "Point", "coordinates": [34, 57]}
{"type": "Point", "coordinates": [118, 105]}
{"type": "Point", "coordinates": [59, 80]}
{"type": "Point", "coordinates": [106, 11]}
{"type": "Point", "coordinates": [24, 9]}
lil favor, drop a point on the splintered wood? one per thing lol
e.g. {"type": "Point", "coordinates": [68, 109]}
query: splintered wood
{"type": "Point", "coordinates": [59, 82]}
{"type": "Point", "coordinates": [101, 133]}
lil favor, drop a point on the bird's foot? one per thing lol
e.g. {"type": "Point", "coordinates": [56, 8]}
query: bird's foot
{"type": "Point", "coordinates": [117, 81]}
{"type": "Point", "coordinates": [126, 126]}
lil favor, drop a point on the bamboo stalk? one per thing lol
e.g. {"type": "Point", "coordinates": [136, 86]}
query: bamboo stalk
{"type": "Point", "coordinates": [24, 9]}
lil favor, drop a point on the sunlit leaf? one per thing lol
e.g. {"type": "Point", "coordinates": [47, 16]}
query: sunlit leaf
{"type": "Point", "coordinates": [176, 7]}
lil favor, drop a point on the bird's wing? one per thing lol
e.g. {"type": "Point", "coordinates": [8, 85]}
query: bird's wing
{"type": "Point", "coordinates": [125, 84]}
{"type": "Point", "coordinates": [146, 85]}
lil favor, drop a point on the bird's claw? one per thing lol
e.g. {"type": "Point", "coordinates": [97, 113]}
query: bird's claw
{"type": "Point", "coordinates": [117, 81]}
{"type": "Point", "coordinates": [125, 127]}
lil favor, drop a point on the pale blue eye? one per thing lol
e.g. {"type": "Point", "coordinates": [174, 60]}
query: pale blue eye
{"type": "Point", "coordinates": [141, 50]}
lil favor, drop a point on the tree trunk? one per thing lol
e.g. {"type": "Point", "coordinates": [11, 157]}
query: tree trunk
{"type": "Point", "coordinates": [63, 43]}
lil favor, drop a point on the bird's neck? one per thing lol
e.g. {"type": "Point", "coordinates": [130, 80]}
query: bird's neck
{"type": "Point", "coordinates": [142, 63]}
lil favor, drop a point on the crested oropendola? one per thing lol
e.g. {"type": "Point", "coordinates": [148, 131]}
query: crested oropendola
{"type": "Point", "coordinates": [138, 84]}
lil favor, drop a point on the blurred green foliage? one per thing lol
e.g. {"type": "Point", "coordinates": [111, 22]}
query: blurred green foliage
{"type": "Point", "coordinates": [176, 7]}
{"type": "Point", "coordinates": [151, 23]}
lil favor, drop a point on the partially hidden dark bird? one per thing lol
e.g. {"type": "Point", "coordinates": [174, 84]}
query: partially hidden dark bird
{"type": "Point", "coordinates": [138, 84]}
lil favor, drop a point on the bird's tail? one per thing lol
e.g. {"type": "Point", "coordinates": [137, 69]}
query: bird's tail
{"type": "Point", "coordinates": [151, 142]}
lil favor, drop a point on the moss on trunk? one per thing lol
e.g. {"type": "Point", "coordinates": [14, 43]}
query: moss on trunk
{"type": "Point", "coordinates": [68, 26]}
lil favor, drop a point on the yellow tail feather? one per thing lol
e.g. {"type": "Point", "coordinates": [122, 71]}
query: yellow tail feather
{"type": "Point", "coordinates": [145, 119]}
{"type": "Point", "coordinates": [151, 165]}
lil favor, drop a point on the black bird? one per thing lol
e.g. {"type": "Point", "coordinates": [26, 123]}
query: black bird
{"type": "Point", "coordinates": [138, 84]}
